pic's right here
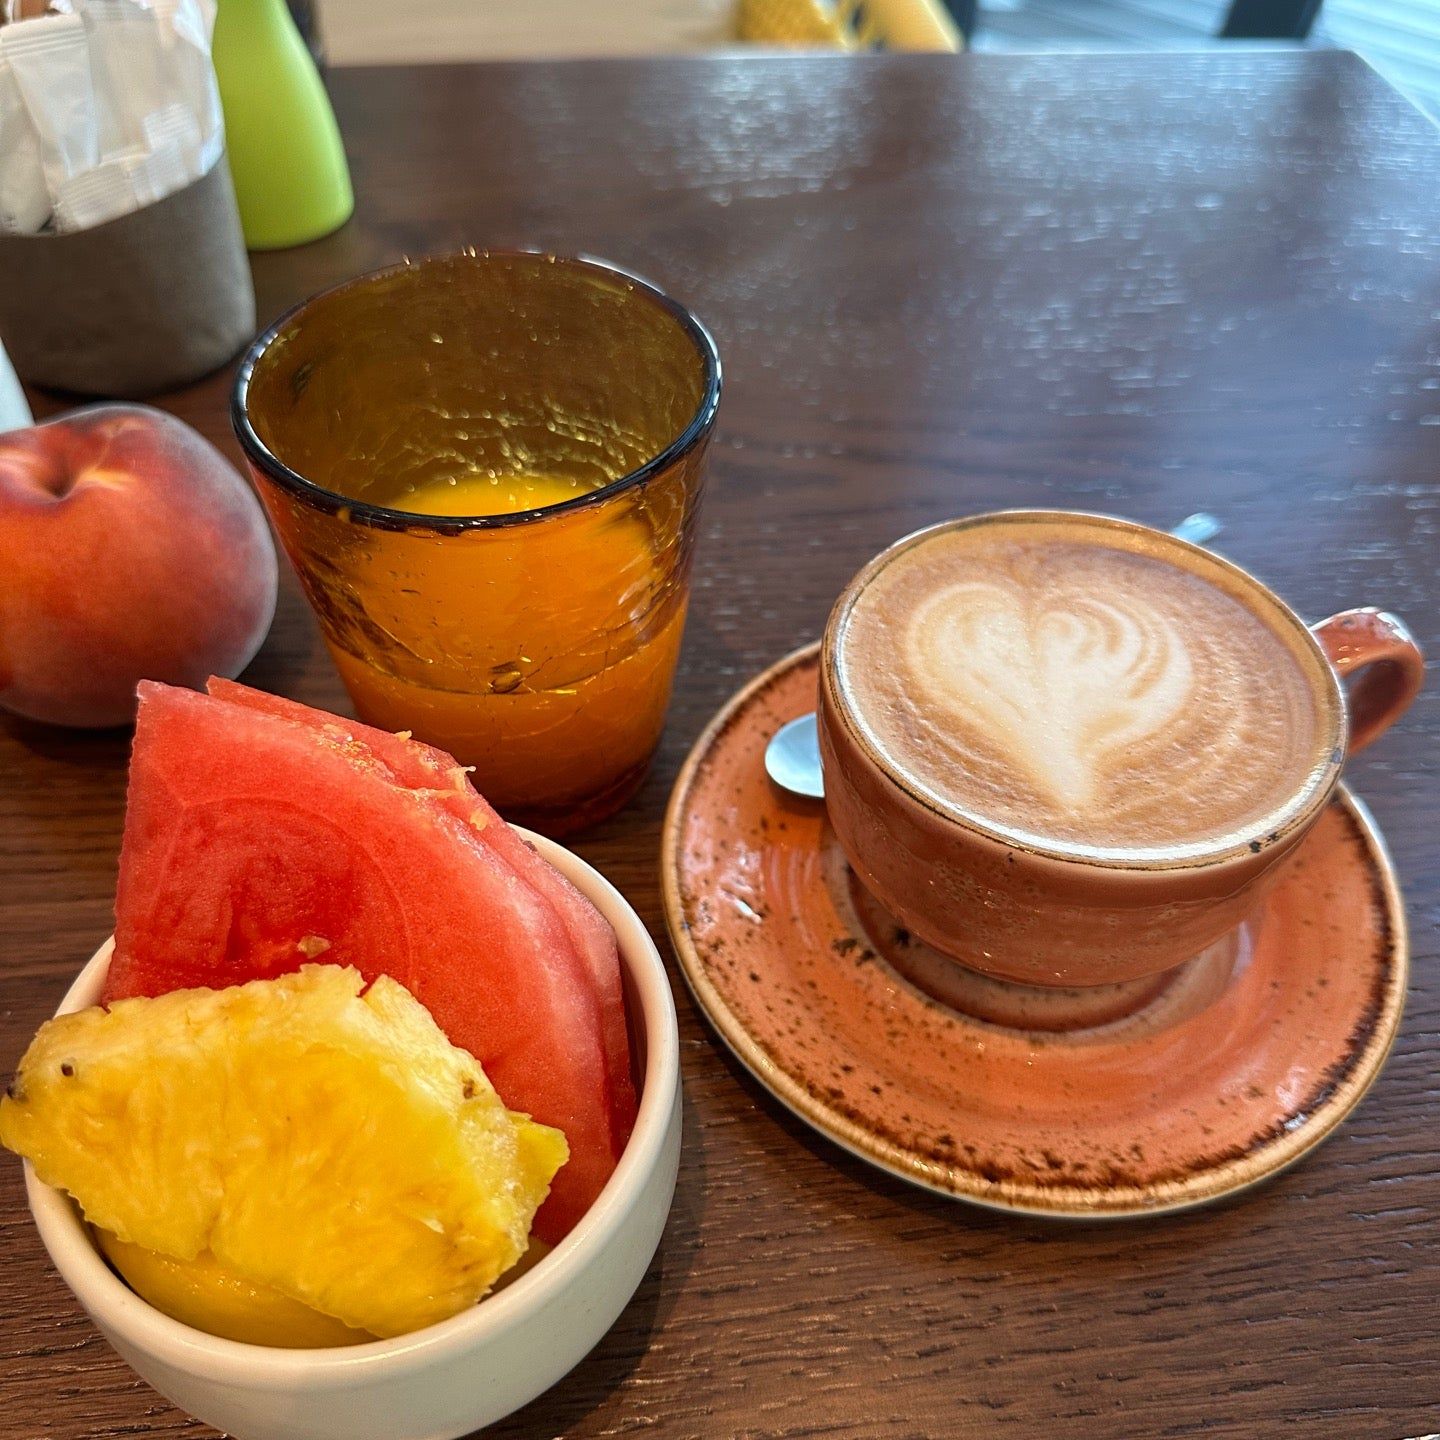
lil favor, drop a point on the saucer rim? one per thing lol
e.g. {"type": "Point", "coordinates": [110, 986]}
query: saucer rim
{"type": "Point", "coordinates": [1221, 1182]}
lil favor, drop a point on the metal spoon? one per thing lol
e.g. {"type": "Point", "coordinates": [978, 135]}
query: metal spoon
{"type": "Point", "coordinates": [792, 758]}
{"type": "Point", "coordinates": [1197, 528]}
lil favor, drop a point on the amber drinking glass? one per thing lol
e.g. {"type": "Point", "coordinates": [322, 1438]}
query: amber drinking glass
{"type": "Point", "coordinates": [550, 418]}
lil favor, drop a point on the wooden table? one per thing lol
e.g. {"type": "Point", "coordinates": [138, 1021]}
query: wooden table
{"type": "Point", "coordinates": [1144, 285]}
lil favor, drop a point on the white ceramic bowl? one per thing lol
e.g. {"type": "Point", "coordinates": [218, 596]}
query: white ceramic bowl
{"type": "Point", "coordinates": [466, 1372]}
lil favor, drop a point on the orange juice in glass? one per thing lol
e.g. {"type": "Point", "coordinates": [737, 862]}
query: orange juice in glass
{"type": "Point", "coordinates": [485, 469]}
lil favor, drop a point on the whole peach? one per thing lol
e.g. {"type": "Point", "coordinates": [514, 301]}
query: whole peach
{"type": "Point", "coordinates": [130, 549]}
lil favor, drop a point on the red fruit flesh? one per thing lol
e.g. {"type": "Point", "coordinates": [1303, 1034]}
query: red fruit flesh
{"type": "Point", "coordinates": [423, 767]}
{"type": "Point", "coordinates": [250, 841]}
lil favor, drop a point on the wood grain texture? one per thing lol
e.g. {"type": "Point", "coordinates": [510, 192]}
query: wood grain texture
{"type": "Point", "coordinates": [1144, 285]}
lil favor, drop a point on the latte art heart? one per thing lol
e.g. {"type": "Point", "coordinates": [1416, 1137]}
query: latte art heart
{"type": "Point", "coordinates": [1060, 686]}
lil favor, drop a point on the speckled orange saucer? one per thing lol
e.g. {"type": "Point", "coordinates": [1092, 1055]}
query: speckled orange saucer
{"type": "Point", "coordinates": [1235, 1068]}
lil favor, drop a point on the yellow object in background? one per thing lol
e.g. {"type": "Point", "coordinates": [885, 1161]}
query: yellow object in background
{"type": "Point", "coordinates": [849, 24]}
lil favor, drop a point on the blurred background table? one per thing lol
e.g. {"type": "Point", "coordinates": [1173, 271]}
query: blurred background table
{"type": "Point", "coordinates": [1141, 285]}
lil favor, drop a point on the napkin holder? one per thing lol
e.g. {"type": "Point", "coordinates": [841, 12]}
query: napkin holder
{"type": "Point", "coordinates": [149, 301]}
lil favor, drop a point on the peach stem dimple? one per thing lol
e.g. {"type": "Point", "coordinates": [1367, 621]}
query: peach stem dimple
{"type": "Point", "coordinates": [99, 475]}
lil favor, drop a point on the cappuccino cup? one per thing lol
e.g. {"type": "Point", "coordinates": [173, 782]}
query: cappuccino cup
{"type": "Point", "coordinates": [1068, 750]}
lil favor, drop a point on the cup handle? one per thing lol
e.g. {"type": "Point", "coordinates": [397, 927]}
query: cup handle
{"type": "Point", "coordinates": [1381, 653]}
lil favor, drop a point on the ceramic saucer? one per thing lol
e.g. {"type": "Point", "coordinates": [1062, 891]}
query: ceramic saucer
{"type": "Point", "coordinates": [1245, 1061]}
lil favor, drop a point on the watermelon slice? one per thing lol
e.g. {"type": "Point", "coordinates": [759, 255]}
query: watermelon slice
{"type": "Point", "coordinates": [424, 768]}
{"type": "Point", "coordinates": [253, 844]}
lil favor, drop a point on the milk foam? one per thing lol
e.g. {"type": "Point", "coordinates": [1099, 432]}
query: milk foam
{"type": "Point", "coordinates": [1060, 684]}
{"type": "Point", "coordinates": [1079, 690]}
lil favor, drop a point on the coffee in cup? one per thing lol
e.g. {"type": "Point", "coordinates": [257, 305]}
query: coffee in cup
{"type": "Point", "coordinates": [1069, 750]}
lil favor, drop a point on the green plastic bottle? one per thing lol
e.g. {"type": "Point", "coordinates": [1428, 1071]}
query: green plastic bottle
{"type": "Point", "coordinates": [286, 157]}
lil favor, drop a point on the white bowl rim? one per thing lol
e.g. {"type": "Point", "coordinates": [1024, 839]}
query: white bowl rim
{"type": "Point", "coordinates": [117, 1308]}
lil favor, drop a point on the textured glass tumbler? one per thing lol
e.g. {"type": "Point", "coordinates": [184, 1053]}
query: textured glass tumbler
{"type": "Point", "coordinates": [537, 646]}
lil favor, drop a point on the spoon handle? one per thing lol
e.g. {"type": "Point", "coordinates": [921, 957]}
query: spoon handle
{"type": "Point", "coordinates": [1197, 528]}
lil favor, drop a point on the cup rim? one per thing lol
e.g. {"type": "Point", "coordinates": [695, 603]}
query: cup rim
{"type": "Point", "coordinates": [1270, 831]}
{"type": "Point", "coordinates": [120, 1310]}
{"type": "Point", "coordinates": [385, 517]}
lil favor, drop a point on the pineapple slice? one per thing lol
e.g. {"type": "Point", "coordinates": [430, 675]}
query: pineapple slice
{"type": "Point", "coordinates": [327, 1144]}
{"type": "Point", "coordinates": [205, 1295]}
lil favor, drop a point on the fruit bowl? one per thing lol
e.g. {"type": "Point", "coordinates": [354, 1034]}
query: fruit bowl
{"type": "Point", "coordinates": [468, 1371]}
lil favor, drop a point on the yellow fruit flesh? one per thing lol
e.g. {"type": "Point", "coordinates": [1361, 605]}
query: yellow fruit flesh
{"type": "Point", "coordinates": [323, 1143]}
{"type": "Point", "coordinates": [203, 1293]}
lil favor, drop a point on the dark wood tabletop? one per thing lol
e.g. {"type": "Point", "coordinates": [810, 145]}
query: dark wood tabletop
{"type": "Point", "coordinates": [1141, 285]}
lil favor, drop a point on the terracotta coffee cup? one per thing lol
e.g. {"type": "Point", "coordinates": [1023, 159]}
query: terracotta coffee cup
{"type": "Point", "coordinates": [1070, 751]}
